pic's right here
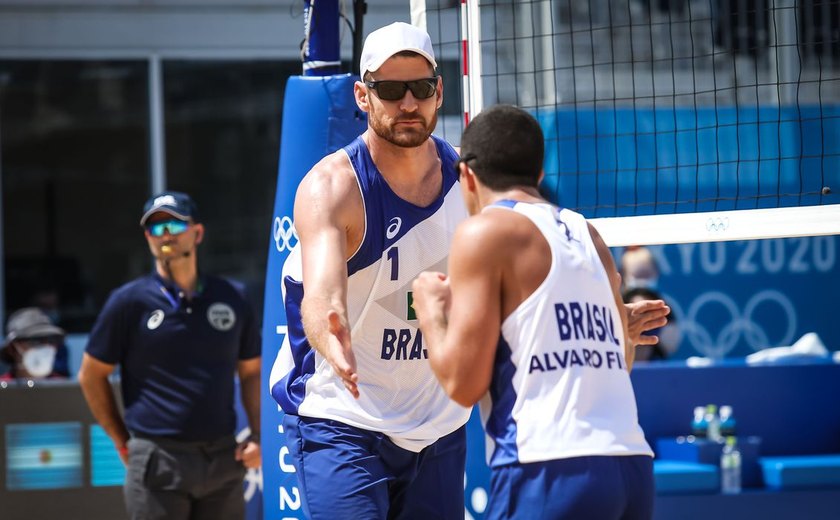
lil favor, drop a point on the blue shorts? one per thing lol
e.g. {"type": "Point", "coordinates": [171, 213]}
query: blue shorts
{"type": "Point", "coordinates": [347, 472]}
{"type": "Point", "coordinates": [599, 487]}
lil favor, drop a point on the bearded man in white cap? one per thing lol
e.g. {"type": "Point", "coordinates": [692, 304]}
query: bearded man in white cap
{"type": "Point", "coordinates": [371, 432]}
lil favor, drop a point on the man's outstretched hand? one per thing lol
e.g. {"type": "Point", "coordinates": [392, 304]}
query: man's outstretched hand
{"type": "Point", "coordinates": [643, 316]}
{"type": "Point", "coordinates": [340, 353]}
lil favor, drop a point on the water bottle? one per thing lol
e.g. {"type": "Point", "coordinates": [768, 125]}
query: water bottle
{"type": "Point", "coordinates": [730, 468]}
{"type": "Point", "coordinates": [698, 424]}
{"type": "Point", "coordinates": [727, 421]}
{"type": "Point", "coordinates": [712, 424]}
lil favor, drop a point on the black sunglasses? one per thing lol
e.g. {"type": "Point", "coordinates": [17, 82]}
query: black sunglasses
{"type": "Point", "coordinates": [391, 90]}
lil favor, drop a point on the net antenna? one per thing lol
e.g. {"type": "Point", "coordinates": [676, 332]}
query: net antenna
{"type": "Point", "coordinates": [670, 122]}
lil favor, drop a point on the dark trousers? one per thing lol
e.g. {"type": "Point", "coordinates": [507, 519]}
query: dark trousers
{"type": "Point", "coordinates": [346, 473]}
{"type": "Point", "coordinates": [175, 480]}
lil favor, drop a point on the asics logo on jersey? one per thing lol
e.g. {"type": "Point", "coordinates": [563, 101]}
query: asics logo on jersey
{"type": "Point", "coordinates": [155, 319]}
{"type": "Point", "coordinates": [393, 228]}
{"type": "Point", "coordinates": [284, 233]}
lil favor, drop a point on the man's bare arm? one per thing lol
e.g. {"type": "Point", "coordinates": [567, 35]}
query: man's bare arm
{"type": "Point", "coordinates": [615, 284]}
{"type": "Point", "coordinates": [93, 378]}
{"type": "Point", "coordinates": [249, 386]}
{"type": "Point", "coordinates": [324, 210]}
{"type": "Point", "coordinates": [461, 338]}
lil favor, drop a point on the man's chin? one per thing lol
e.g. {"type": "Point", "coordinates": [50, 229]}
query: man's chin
{"type": "Point", "coordinates": [409, 139]}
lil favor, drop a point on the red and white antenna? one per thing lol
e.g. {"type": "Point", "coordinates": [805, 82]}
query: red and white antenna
{"type": "Point", "coordinates": [471, 57]}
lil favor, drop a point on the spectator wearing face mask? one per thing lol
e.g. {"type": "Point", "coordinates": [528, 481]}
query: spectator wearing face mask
{"type": "Point", "coordinates": [30, 346]}
{"type": "Point", "coordinates": [638, 268]}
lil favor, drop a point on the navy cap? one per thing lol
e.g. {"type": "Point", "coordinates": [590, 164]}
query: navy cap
{"type": "Point", "coordinates": [177, 204]}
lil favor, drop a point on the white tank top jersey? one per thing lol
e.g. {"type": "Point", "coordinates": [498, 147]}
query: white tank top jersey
{"type": "Point", "coordinates": [398, 392]}
{"type": "Point", "coordinates": [560, 385]}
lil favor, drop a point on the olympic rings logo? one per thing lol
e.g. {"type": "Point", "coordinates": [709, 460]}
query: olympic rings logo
{"type": "Point", "coordinates": [740, 324]}
{"type": "Point", "coordinates": [284, 233]}
{"type": "Point", "coordinates": [717, 224]}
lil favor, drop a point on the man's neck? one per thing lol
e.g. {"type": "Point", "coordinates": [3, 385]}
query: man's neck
{"type": "Point", "coordinates": [413, 174]}
{"type": "Point", "coordinates": [183, 272]}
{"type": "Point", "coordinates": [393, 160]}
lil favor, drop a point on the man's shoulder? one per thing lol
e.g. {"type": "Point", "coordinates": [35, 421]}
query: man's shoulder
{"type": "Point", "coordinates": [331, 184]}
{"type": "Point", "coordinates": [224, 287]}
{"type": "Point", "coordinates": [130, 289]}
{"type": "Point", "coordinates": [494, 232]}
{"type": "Point", "coordinates": [336, 163]}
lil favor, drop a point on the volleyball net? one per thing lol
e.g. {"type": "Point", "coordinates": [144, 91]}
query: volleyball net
{"type": "Point", "coordinates": [665, 121]}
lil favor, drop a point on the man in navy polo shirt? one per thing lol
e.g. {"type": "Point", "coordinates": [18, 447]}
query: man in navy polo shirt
{"type": "Point", "coordinates": [180, 337]}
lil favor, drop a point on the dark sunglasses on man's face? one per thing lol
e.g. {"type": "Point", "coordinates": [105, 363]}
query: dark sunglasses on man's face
{"type": "Point", "coordinates": [391, 90]}
{"type": "Point", "coordinates": [175, 227]}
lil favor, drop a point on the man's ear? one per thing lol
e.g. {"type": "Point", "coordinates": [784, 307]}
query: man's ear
{"type": "Point", "coordinates": [468, 177]}
{"type": "Point", "coordinates": [360, 93]}
{"type": "Point", "coordinates": [199, 233]}
{"type": "Point", "coordinates": [439, 93]}
{"type": "Point", "coordinates": [542, 176]}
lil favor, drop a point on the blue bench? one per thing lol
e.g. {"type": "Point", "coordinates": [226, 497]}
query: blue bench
{"type": "Point", "coordinates": [792, 408]}
{"type": "Point", "coordinates": [672, 476]}
{"type": "Point", "coordinates": [813, 471]}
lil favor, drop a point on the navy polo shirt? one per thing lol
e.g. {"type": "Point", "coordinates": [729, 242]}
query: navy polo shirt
{"type": "Point", "coordinates": [177, 357]}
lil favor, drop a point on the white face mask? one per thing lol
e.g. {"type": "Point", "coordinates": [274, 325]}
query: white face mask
{"type": "Point", "coordinates": [632, 282]}
{"type": "Point", "coordinates": [39, 360]}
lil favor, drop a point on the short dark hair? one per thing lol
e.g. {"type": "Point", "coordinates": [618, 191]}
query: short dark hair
{"type": "Point", "coordinates": [504, 147]}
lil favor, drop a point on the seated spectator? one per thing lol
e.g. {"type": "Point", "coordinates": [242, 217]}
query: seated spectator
{"type": "Point", "coordinates": [638, 268]}
{"type": "Point", "coordinates": [669, 335]}
{"type": "Point", "coordinates": [31, 345]}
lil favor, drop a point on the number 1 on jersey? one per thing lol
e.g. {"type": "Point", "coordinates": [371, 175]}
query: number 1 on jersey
{"type": "Point", "coordinates": [394, 257]}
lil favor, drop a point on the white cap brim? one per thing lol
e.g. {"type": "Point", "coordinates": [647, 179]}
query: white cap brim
{"type": "Point", "coordinates": [162, 209]}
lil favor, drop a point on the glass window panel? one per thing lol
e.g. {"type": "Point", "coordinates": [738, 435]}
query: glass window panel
{"type": "Point", "coordinates": [74, 150]}
{"type": "Point", "coordinates": [223, 121]}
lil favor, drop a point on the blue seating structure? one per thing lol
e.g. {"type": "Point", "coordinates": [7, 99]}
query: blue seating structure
{"type": "Point", "coordinates": [788, 424]}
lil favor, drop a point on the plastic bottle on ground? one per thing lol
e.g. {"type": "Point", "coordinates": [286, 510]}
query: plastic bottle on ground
{"type": "Point", "coordinates": [730, 468]}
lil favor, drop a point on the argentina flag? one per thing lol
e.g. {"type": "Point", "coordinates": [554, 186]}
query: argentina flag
{"type": "Point", "coordinates": [43, 456]}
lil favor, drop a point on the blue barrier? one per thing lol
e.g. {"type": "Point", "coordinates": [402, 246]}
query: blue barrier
{"type": "Point", "coordinates": [319, 117]}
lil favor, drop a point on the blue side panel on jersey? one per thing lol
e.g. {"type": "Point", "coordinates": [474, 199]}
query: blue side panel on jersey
{"type": "Point", "coordinates": [500, 425]}
{"type": "Point", "coordinates": [290, 391]}
{"type": "Point", "coordinates": [505, 203]}
{"type": "Point", "coordinates": [624, 161]}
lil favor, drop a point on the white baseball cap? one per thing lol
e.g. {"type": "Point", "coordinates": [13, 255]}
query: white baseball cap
{"type": "Point", "coordinates": [383, 43]}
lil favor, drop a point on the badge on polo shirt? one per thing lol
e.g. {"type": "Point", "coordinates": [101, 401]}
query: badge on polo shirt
{"type": "Point", "coordinates": [221, 316]}
{"type": "Point", "coordinates": [155, 319]}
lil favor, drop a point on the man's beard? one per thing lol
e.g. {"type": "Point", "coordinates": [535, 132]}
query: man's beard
{"type": "Point", "coordinates": [407, 137]}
